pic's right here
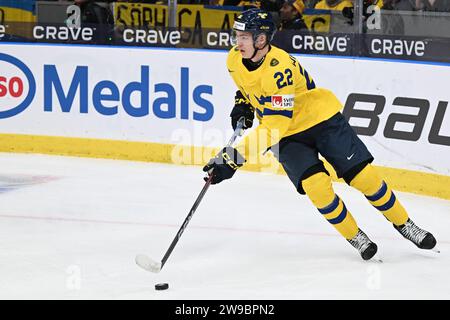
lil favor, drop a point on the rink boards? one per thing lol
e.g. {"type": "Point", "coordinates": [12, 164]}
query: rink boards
{"type": "Point", "coordinates": [172, 106]}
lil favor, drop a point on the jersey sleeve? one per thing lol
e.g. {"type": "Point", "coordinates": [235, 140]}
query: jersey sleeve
{"type": "Point", "coordinates": [275, 113]}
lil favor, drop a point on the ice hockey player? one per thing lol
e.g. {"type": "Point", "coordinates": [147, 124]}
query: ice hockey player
{"type": "Point", "coordinates": [297, 121]}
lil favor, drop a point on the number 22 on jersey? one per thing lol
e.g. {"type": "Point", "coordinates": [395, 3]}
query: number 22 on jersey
{"type": "Point", "coordinates": [283, 79]}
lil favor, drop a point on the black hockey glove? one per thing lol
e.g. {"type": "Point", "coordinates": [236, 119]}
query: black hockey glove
{"type": "Point", "coordinates": [242, 109]}
{"type": "Point", "coordinates": [224, 165]}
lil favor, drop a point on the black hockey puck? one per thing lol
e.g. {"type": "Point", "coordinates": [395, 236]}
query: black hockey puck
{"type": "Point", "coordinates": [162, 286]}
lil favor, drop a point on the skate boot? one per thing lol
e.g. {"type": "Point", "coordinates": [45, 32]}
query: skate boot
{"type": "Point", "coordinates": [364, 245]}
{"type": "Point", "coordinates": [421, 238]}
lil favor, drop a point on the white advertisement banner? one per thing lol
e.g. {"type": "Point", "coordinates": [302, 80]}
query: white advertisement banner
{"type": "Point", "coordinates": [147, 95]}
{"type": "Point", "coordinates": [400, 110]}
{"type": "Point", "coordinates": [185, 96]}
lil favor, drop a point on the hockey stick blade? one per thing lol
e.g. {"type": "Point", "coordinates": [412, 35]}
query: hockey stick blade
{"type": "Point", "coordinates": [147, 264]}
{"type": "Point", "coordinates": [376, 258]}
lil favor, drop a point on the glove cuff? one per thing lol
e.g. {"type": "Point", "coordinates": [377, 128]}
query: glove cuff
{"type": "Point", "coordinates": [232, 158]}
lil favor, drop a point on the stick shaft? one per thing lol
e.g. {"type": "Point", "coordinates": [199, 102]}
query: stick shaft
{"type": "Point", "coordinates": [236, 133]}
{"type": "Point", "coordinates": [186, 221]}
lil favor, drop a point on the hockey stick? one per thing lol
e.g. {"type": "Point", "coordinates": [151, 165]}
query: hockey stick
{"type": "Point", "coordinates": [150, 265]}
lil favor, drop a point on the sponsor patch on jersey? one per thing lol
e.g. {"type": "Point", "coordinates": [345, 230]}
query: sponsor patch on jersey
{"type": "Point", "coordinates": [285, 101]}
{"type": "Point", "coordinates": [239, 26]}
{"type": "Point", "coordinates": [274, 62]}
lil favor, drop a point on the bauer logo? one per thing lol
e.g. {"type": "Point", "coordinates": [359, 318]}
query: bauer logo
{"type": "Point", "coordinates": [17, 86]}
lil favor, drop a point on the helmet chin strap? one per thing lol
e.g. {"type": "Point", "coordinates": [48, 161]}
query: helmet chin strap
{"type": "Point", "coordinates": [257, 49]}
{"type": "Point", "coordinates": [254, 52]}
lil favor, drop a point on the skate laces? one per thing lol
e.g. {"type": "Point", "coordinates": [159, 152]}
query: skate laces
{"type": "Point", "coordinates": [412, 232]}
{"type": "Point", "coordinates": [361, 241]}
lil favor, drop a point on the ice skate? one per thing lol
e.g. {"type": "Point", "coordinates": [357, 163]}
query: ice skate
{"type": "Point", "coordinates": [421, 238]}
{"type": "Point", "coordinates": [364, 245]}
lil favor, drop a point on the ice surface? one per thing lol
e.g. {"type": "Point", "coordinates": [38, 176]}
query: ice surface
{"type": "Point", "coordinates": [70, 228]}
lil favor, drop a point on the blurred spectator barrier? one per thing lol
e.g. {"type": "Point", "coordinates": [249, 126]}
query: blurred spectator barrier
{"type": "Point", "coordinates": [366, 30]}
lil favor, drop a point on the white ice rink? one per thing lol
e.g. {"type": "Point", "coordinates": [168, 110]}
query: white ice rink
{"type": "Point", "coordinates": [70, 229]}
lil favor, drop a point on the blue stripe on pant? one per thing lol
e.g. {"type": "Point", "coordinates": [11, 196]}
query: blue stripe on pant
{"type": "Point", "coordinates": [330, 208]}
{"type": "Point", "coordinates": [379, 194]}
{"type": "Point", "coordinates": [333, 206]}
{"type": "Point", "coordinates": [340, 217]}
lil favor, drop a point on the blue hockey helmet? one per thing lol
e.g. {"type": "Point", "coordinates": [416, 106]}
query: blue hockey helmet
{"type": "Point", "coordinates": [257, 22]}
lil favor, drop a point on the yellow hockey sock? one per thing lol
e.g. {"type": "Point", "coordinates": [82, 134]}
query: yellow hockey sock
{"type": "Point", "coordinates": [380, 195]}
{"type": "Point", "coordinates": [319, 189]}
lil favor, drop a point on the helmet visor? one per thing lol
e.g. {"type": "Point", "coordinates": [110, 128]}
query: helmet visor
{"type": "Point", "coordinates": [244, 37]}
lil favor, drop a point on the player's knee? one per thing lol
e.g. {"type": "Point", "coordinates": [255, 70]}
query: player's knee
{"type": "Point", "coordinates": [367, 180]}
{"type": "Point", "coordinates": [317, 168]}
{"type": "Point", "coordinates": [354, 171]}
{"type": "Point", "coordinates": [319, 189]}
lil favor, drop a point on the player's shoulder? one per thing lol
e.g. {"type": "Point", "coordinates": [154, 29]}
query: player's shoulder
{"type": "Point", "coordinates": [278, 59]}
{"type": "Point", "coordinates": [276, 70]}
{"type": "Point", "coordinates": [233, 57]}
{"type": "Point", "coordinates": [278, 52]}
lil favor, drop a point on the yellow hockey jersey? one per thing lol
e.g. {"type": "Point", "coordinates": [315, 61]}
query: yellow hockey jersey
{"type": "Point", "coordinates": [285, 98]}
